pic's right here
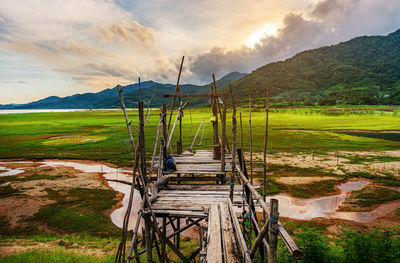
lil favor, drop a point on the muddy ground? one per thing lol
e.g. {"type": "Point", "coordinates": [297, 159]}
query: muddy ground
{"type": "Point", "coordinates": [31, 194]}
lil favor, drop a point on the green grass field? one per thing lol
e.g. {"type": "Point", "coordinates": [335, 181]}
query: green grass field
{"type": "Point", "coordinates": [102, 135]}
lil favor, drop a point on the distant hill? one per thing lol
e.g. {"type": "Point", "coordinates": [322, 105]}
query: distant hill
{"type": "Point", "coordinates": [109, 98]}
{"type": "Point", "coordinates": [364, 70]}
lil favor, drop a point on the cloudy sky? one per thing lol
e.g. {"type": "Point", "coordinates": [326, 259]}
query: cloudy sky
{"type": "Point", "coordinates": [59, 47]}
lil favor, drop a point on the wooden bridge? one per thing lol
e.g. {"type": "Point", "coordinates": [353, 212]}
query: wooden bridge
{"type": "Point", "coordinates": [210, 191]}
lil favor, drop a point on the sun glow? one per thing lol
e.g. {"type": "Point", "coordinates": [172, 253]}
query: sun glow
{"type": "Point", "coordinates": [270, 29]}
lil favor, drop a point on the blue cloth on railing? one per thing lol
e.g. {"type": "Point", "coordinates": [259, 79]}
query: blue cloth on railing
{"type": "Point", "coordinates": [169, 164]}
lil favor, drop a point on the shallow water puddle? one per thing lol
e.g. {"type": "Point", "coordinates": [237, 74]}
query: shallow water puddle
{"type": "Point", "coordinates": [117, 215]}
{"type": "Point", "coordinates": [291, 207]}
{"type": "Point", "coordinates": [5, 171]}
{"type": "Point", "coordinates": [327, 207]}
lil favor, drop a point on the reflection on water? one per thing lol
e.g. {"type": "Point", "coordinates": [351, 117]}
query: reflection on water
{"type": "Point", "coordinates": [5, 171]}
{"type": "Point", "coordinates": [326, 207]}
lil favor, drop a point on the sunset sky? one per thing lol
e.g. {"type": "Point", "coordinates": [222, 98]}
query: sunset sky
{"type": "Point", "coordinates": [63, 47]}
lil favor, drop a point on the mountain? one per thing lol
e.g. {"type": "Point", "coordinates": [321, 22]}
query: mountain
{"type": "Point", "coordinates": [363, 70]}
{"type": "Point", "coordinates": [79, 101]}
{"type": "Point", "coordinates": [109, 98]}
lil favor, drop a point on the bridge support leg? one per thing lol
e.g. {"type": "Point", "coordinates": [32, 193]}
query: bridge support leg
{"type": "Point", "coordinates": [273, 231]}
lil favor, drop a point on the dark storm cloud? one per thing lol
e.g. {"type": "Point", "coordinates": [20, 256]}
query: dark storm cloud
{"type": "Point", "coordinates": [327, 22]}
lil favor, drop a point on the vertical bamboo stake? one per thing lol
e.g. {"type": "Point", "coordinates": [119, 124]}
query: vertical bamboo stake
{"type": "Point", "coordinates": [128, 123]}
{"type": "Point", "coordinates": [232, 185]}
{"type": "Point", "coordinates": [219, 107]}
{"type": "Point", "coordinates": [273, 232]}
{"type": "Point", "coordinates": [265, 152]}
{"type": "Point", "coordinates": [140, 90]}
{"type": "Point", "coordinates": [251, 138]}
{"type": "Point", "coordinates": [241, 130]}
{"type": "Point", "coordinates": [223, 132]}
{"type": "Point", "coordinates": [216, 152]}
{"type": "Point", "coordinates": [176, 90]}
{"type": "Point", "coordinates": [142, 142]}
{"type": "Point", "coordinates": [338, 149]}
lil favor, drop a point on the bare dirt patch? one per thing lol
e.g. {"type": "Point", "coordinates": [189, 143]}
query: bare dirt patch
{"type": "Point", "coordinates": [16, 208]}
{"type": "Point", "coordinates": [329, 162]}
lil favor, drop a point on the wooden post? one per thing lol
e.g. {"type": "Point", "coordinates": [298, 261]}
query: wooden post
{"type": "Point", "coordinates": [148, 239]}
{"type": "Point", "coordinates": [273, 233]}
{"type": "Point", "coordinates": [265, 152]}
{"type": "Point", "coordinates": [223, 132]}
{"type": "Point", "coordinates": [251, 139]}
{"type": "Point", "coordinates": [142, 142]}
{"type": "Point", "coordinates": [232, 185]}
{"type": "Point", "coordinates": [176, 90]}
{"type": "Point", "coordinates": [179, 143]}
{"type": "Point", "coordinates": [216, 146]}
{"type": "Point", "coordinates": [241, 130]}
{"type": "Point", "coordinates": [164, 129]}
{"type": "Point", "coordinates": [139, 90]}
{"type": "Point", "coordinates": [219, 107]}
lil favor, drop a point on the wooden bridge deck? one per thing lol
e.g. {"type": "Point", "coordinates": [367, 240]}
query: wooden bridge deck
{"type": "Point", "coordinates": [212, 203]}
{"type": "Point", "coordinates": [200, 162]}
{"type": "Point", "coordinates": [224, 240]}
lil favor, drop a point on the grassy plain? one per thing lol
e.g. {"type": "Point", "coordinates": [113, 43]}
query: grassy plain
{"type": "Point", "coordinates": [102, 135]}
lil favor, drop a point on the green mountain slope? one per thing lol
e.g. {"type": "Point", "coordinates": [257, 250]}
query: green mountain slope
{"type": "Point", "coordinates": [364, 70]}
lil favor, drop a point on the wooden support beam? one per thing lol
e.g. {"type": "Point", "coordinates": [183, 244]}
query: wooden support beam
{"type": "Point", "coordinates": [239, 235]}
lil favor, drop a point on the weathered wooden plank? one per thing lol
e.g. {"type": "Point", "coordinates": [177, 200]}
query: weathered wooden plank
{"type": "Point", "coordinates": [214, 249]}
{"type": "Point", "coordinates": [179, 192]}
{"type": "Point", "coordinates": [184, 187]}
{"type": "Point", "coordinates": [193, 172]}
{"type": "Point", "coordinates": [229, 240]}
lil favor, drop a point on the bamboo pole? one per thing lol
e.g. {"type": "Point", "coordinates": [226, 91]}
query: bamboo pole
{"type": "Point", "coordinates": [265, 151]}
{"type": "Point", "coordinates": [173, 127]}
{"type": "Point", "coordinates": [216, 152]}
{"type": "Point", "coordinates": [142, 142]}
{"type": "Point", "coordinates": [195, 137]}
{"type": "Point", "coordinates": [232, 185]}
{"type": "Point", "coordinates": [176, 90]}
{"type": "Point", "coordinates": [140, 90]}
{"type": "Point", "coordinates": [128, 123]}
{"type": "Point", "coordinates": [223, 132]}
{"type": "Point", "coordinates": [157, 138]}
{"type": "Point", "coordinates": [219, 107]}
{"type": "Point", "coordinates": [148, 109]}
{"type": "Point", "coordinates": [241, 130]}
{"type": "Point", "coordinates": [251, 138]}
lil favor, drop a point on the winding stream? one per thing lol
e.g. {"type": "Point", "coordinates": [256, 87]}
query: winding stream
{"type": "Point", "coordinates": [291, 207]}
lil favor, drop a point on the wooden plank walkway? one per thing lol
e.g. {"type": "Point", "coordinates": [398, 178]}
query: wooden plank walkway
{"type": "Point", "coordinates": [210, 202]}
{"type": "Point", "coordinates": [200, 162]}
